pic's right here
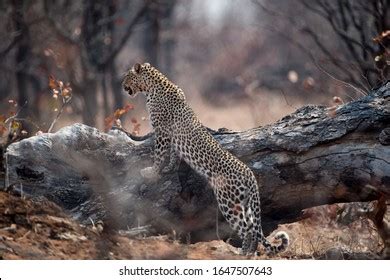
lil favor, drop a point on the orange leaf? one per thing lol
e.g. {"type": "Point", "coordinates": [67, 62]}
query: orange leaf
{"type": "Point", "coordinates": [52, 82]}
{"type": "Point", "coordinates": [108, 122]}
{"type": "Point", "coordinates": [118, 113]}
{"type": "Point", "coordinates": [128, 107]}
{"type": "Point", "coordinates": [3, 129]}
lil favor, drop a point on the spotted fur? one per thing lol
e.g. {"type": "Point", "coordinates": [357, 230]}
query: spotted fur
{"type": "Point", "coordinates": [179, 134]}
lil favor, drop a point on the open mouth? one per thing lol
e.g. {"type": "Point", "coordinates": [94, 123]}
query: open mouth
{"type": "Point", "coordinates": [129, 90]}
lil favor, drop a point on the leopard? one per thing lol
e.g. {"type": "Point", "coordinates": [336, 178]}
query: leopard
{"type": "Point", "coordinates": [180, 135]}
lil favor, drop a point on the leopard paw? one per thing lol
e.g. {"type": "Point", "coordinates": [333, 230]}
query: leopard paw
{"type": "Point", "coordinates": [170, 169]}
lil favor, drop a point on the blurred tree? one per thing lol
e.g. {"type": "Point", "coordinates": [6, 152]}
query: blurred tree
{"type": "Point", "coordinates": [23, 52]}
{"type": "Point", "coordinates": [168, 40]}
{"type": "Point", "coordinates": [151, 35]}
{"type": "Point", "coordinates": [355, 23]}
{"type": "Point", "coordinates": [77, 41]}
{"type": "Point", "coordinates": [7, 44]}
{"type": "Point", "coordinates": [158, 41]}
{"type": "Point", "coordinates": [97, 50]}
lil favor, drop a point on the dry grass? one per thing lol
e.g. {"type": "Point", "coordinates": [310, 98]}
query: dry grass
{"type": "Point", "coordinates": [320, 234]}
{"type": "Point", "coordinates": [40, 230]}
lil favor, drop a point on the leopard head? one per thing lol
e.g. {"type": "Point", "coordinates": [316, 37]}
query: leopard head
{"type": "Point", "coordinates": [135, 80]}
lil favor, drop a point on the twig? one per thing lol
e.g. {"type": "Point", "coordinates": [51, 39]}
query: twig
{"type": "Point", "coordinates": [314, 60]}
{"type": "Point", "coordinates": [58, 115]}
{"type": "Point", "coordinates": [338, 80]}
{"type": "Point", "coordinates": [25, 235]}
{"type": "Point", "coordinates": [16, 114]}
{"type": "Point", "coordinates": [285, 99]}
{"type": "Point", "coordinates": [14, 118]}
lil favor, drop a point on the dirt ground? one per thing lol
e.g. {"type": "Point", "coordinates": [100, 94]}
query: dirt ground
{"type": "Point", "coordinates": [32, 229]}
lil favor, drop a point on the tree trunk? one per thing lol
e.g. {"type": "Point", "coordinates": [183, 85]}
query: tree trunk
{"type": "Point", "coordinates": [22, 55]}
{"type": "Point", "coordinates": [116, 87]}
{"type": "Point", "coordinates": [168, 42]}
{"type": "Point", "coordinates": [312, 157]}
{"type": "Point", "coordinates": [151, 35]}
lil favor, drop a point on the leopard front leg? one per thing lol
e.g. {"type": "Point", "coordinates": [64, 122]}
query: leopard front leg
{"type": "Point", "coordinates": [161, 148]}
{"type": "Point", "coordinates": [174, 161]}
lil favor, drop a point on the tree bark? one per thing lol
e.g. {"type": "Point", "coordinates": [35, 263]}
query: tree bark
{"type": "Point", "coordinates": [315, 156]}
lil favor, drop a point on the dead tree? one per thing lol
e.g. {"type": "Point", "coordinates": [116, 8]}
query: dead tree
{"type": "Point", "coordinates": [358, 25]}
{"type": "Point", "coordinates": [315, 156]}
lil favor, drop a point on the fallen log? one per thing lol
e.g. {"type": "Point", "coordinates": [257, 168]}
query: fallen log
{"type": "Point", "coordinates": [314, 156]}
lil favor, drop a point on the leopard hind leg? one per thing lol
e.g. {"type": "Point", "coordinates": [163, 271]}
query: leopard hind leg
{"type": "Point", "coordinates": [250, 236]}
{"type": "Point", "coordinates": [281, 236]}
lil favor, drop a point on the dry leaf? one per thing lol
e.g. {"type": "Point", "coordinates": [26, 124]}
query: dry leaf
{"type": "Point", "coordinates": [52, 82]}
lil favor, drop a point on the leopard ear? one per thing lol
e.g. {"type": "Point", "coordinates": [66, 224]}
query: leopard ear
{"type": "Point", "coordinates": [137, 68]}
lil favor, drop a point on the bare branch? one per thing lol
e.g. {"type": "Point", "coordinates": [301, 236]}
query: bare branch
{"type": "Point", "coordinates": [56, 26]}
{"type": "Point", "coordinates": [10, 46]}
{"type": "Point", "coordinates": [334, 61]}
{"type": "Point", "coordinates": [311, 7]}
{"type": "Point", "coordinates": [342, 20]}
{"type": "Point", "coordinates": [129, 31]}
{"type": "Point", "coordinates": [58, 115]}
{"type": "Point", "coordinates": [341, 81]}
